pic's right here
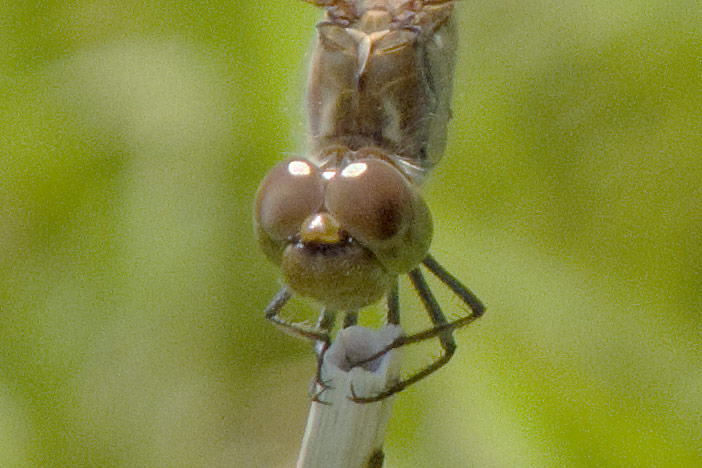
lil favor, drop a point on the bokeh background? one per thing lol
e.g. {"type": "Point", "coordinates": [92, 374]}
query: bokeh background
{"type": "Point", "coordinates": [133, 136]}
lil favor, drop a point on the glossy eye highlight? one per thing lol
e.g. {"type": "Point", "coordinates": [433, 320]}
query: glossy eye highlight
{"type": "Point", "coordinates": [356, 169]}
{"type": "Point", "coordinates": [299, 168]}
{"type": "Point", "coordinates": [289, 193]}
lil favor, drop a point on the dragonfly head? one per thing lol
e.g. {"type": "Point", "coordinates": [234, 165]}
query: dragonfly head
{"type": "Point", "coordinates": [341, 235]}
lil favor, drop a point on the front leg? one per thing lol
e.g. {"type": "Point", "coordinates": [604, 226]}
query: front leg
{"type": "Point", "coordinates": [442, 328]}
{"type": "Point", "coordinates": [325, 322]}
{"type": "Point", "coordinates": [295, 329]}
{"type": "Point", "coordinates": [320, 334]}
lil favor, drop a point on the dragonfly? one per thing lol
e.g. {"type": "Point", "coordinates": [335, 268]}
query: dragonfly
{"type": "Point", "coordinates": [347, 220]}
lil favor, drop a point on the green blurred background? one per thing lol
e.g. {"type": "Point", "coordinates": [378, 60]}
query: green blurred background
{"type": "Point", "coordinates": [133, 137]}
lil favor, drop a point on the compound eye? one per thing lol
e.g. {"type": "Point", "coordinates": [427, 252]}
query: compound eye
{"type": "Point", "coordinates": [371, 199]}
{"type": "Point", "coordinates": [289, 193]}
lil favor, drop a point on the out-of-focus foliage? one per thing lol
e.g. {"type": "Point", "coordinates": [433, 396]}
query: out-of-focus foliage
{"type": "Point", "coordinates": [132, 139]}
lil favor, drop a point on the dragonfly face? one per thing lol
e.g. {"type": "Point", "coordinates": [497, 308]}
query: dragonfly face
{"type": "Point", "coordinates": [343, 231]}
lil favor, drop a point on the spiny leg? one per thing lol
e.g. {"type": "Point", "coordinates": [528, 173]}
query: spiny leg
{"type": "Point", "coordinates": [464, 294]}
{"type": "Point", "coordinates": [442, 328]}
{"type": "Point", "coordinates": [325, 323]}
{"type": "Point", "coordinates": [434, 331]}
{"type": "Point", "coordinates": [445, 337]}
{"type": "Point", "coordinates": [296, 329]}
{"type": "Point", "coordinates": [393, 316]}
{"type": "Point", "coordinates": [351, 319]}
{"type": "Point", "coordinates": [320, 334]}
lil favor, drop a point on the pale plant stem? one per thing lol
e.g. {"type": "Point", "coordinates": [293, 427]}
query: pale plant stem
{"type": "Point", "coordinates": [341, 433]}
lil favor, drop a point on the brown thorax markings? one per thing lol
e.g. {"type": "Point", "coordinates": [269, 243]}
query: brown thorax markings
{"type": "Point", "coordinates": [372, 84]}
{"type": "Point", "coordinates": [366, 27]}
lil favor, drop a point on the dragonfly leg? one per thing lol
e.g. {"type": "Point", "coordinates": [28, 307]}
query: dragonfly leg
{"type": "Point", "coordinates": [442, 328]}
{"type": "Point", "coordinates": [464, 294]}
{"type": "Point", "coordinates": [296, 329]}
{"type": "Point", "coordinates": [350, 319]}
{"type": "Point", "coordinates": [393, 306]}
{"type": "Point", "coordinates": [325, 323]}
{"type": "Point", "coordinates": [320, 334]}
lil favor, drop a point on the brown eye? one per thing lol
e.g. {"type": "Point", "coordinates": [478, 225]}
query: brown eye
{"type": "Point", "coordinates": [378, 206]}
{"type": "Point", "coordinates": [289, 193]}
{"type": "Point", "coordinates": [370, 198]}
